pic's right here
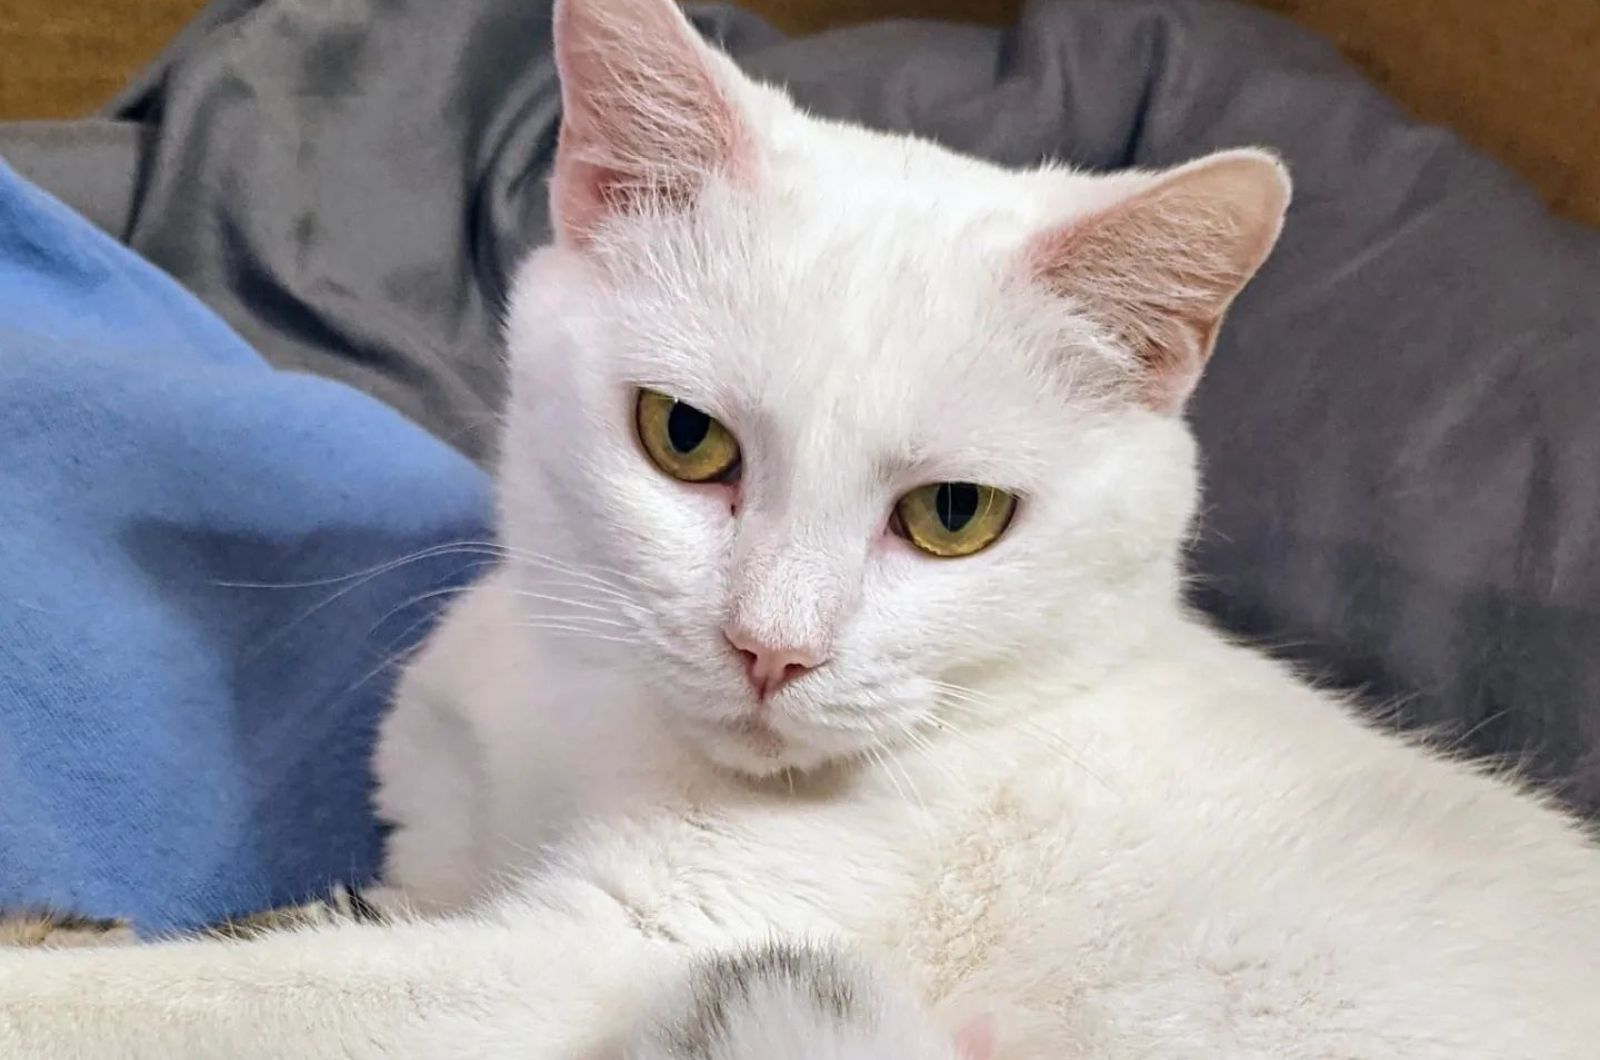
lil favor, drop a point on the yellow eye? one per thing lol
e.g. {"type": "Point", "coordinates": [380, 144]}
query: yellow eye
{"type": "Point", "coordinates": [683, 441]}
{"type": "Point", "coordinates": [950, 519]}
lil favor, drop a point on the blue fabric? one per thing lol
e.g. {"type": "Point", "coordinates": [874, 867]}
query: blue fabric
{"type": "Point", "coordinates": [200, 610]}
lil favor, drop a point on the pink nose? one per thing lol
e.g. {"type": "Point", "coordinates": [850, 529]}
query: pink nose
{"type": "Point", "coordinates": [769, 668]}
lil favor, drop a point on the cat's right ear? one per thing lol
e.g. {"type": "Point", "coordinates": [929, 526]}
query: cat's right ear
{"type": "Point", "coordinates": [648, 114]}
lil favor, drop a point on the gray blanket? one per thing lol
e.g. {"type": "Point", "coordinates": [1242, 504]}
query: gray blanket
{"type": "Point", "coordinates": [1400, 425]}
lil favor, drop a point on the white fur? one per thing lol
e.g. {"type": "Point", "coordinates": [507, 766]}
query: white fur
{"type": "Point", "coordinates": [1026, 781]}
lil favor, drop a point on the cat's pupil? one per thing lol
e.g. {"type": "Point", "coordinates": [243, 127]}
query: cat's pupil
{"type": "Point", "coordinates": [687, 427]}
{"type": "Point", "coordinates": [957, 503]}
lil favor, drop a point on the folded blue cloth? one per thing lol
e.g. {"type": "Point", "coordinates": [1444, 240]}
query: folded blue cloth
{"type": "Point", "coordinates": [208, 571]}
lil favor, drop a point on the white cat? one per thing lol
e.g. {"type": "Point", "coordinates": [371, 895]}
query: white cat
{"type": "Point", "coordinates": [842, 492]}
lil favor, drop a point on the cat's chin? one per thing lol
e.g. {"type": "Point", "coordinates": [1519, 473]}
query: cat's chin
{"type": "Point", "coordinates": [758, 751]}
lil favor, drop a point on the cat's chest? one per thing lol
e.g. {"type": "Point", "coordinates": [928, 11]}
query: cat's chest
{"type": "Point", "coordinates": [997, 865]}
{"type": "Point", "coordinates": [1043, 906]}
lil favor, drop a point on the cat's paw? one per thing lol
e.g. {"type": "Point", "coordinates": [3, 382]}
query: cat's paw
{"type": "Point", "coordinates": [33, 929]}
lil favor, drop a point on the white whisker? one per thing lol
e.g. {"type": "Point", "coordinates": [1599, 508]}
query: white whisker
{"type": "Point", "coordinates": [971, 704]}
{"type": "Point", "coordinates": [451, 548]}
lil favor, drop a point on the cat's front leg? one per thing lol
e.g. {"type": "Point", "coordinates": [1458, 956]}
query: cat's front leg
{"type": "Point", "coordinates": [559, 978]}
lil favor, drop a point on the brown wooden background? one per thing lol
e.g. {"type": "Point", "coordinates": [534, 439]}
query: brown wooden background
{"type": "Point", "coordinates": [1520, 78]}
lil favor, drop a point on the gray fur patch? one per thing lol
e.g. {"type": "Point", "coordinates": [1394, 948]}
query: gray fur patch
{"type": "Point", "coordinates": [720, 985]}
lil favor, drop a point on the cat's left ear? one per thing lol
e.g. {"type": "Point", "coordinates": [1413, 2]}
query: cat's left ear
{"type": "Point", "coordinates": [1159, 269]}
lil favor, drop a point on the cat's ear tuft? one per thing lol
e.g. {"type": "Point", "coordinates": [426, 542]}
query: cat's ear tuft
{"type": "Point", "coordinates": [1160, 268]}
{"type": "Point", "coordinates": [648, 113]}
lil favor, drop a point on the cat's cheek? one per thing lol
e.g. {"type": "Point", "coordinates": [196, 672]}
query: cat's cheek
{"type": "Point", "coordinates": [720, 501]}
{"type": "Point", "coordinates": [728, 495]}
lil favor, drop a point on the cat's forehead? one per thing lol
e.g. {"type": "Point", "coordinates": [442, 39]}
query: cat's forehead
{"type": "Point", "coordinates": [868, 316]}
{"type": "Point", "coordinates": [856, 340]}
{"type": "Point", "coordinates": [821, 283]}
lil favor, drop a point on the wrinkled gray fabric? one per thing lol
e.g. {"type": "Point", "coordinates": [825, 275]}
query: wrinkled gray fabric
{"type": "Point", "coordinates": [1400, 425]}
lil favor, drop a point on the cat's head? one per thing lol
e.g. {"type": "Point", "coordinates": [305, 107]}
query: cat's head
{"type": "Point", "coordinates": [853, 422]}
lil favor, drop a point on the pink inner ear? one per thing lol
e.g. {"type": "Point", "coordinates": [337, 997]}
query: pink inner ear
{"type": "Point", "coordinates": [1160, 269]}
{"type": "Point", "coordinates": [647, 113]}
{"type": "Point", "coordinates": [975, 1040]}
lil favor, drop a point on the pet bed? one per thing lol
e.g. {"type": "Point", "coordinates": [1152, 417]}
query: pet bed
{"type": "Point", "coordinates": [1400, 425]}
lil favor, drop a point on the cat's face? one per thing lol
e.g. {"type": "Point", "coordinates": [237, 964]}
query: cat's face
{"type": "Point", "coordinates": [739, 389]}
